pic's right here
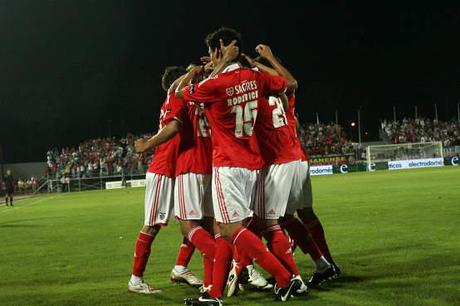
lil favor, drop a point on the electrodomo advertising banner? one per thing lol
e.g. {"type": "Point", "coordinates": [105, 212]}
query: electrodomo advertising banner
{"type": "Point", "coordinates": [321, 170]}
{"type": "Point", "coordinates": [415, 163]}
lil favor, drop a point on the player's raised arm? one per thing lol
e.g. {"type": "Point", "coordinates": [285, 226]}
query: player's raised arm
{"type": "Point", "coordinates": [284, 100]}
{"type": "Point", "coordinates": [185, 81]}
{"type": "Point", "coordinates": [266, 52]}
{"type": "Point", "coordinates": [261, 67]}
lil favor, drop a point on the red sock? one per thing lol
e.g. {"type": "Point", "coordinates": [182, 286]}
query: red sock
{"type": "Point", "coordinates": [222, 258]}
{"type": "Point", "coordinates": [185, 253]}
{"type": "Point", "coordinates": [205, 243]}
{"type": "Point", "coordinates": [279, 244]}
{"type": "Point", "coordinates": [299, 232]}
{"type": "Point", "coordinates": [141, 256]}
{"type": "Point", "coordinates": [317, 232]}
{"type": "Point", "coordinates": [257, 251]}
{"type": "Point", "coordinates": [242, 258]}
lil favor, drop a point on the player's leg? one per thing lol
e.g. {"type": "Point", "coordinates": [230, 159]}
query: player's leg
{"type": "Point", "coordinates": [314, 226]}
{"type": "Point", "coordinates": [189, 195]}
{"type": "Point", "coordinates": [315, 230]}
{"type": "Point", "coordinates": [180, 273]}
{"type": "Point", "coordinates": [233, 189]}
{"type": "Point", "coordinates": [157, 207]}
{"type": "Point", "coordinates": [271, 205]}
{"type": "Point", "coordinates": [141, 256]}
{"type": "Point", "coordinates": [243, 271]}
{"type": "Point", "coordinates": [223, 250]}
{"type": "Point", "coordinates": [301, 236]}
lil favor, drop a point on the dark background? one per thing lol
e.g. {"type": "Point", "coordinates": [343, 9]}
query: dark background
{"type": "Point", "coordinates": [73, 70]}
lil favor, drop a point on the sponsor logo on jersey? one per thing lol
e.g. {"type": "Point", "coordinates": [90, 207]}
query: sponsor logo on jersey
{"type": "Point", "coordinates": [229, 91]}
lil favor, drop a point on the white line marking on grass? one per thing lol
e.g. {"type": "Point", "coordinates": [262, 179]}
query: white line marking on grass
{"type": "Point", "coordinates": [15, 208]}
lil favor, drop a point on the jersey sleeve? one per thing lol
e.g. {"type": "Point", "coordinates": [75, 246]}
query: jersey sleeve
{"type": "Point", "coordinates": [203, 92]}
{"type": "Point", "coordinates": [271, 84]}
{"type": "Point", "coordinates": [176, 110]}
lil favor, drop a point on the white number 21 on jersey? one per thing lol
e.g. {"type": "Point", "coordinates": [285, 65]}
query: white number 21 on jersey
{"type": "Point", "coordinates": [278, 114]}
{"type": "Point", "coordinates": [245, 118]}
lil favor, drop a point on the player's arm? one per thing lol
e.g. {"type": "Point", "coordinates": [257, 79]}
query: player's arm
{"type": "Point", "coordinates": [186, 79]}
{"type": "Point", "coordinates": [284, 100]}
{"type": "Point", "coordinates": [175, 84]}
{"type": "Point", "coordinates": [266, 52]}
{"type": "Point", "coordinates": [163, 135]}
{"type": "Point", "coordinates": [261, 67]}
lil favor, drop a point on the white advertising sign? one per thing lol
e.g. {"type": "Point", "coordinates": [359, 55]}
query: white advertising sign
{"type": "Point", "coordinates": [415, 163]}
{"type": "Point", "coordinates": [321, 170]}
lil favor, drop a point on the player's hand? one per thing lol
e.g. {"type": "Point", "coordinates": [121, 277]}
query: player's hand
{"type": "Point", "coordinates": [229, 52]}
{"type": "Point", "coordinates": [140, 145]}
{"type": "Point", "coordinates": [205, 59]}
{"type": "Point", "coordinates": [196, 70]}
{"type": "Point", "coordinates": [264, 51]}
{"type": "Point", "coordinates": [250, 60]}
{"type": "Point", "coordinates": [208, 67]}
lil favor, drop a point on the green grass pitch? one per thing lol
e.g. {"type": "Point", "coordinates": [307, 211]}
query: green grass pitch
{"type": "Point", "coordinates": [396, 235]}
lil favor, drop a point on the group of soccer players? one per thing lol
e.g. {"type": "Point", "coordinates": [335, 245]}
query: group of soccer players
{"type": "Point", "coordinates": [229, 164]}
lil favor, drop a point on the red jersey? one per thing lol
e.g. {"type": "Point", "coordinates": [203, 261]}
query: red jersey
{"type": "Point", "coordinates": [231, 107]}
{"type": "Point", "coordinates": [164, 157]}
{"type": "Point", "coordinates": [273, 133]}
{"type": "Point", "coordinates": [292, 122]}
{"type": "Point", "coordinates": [195, 149]}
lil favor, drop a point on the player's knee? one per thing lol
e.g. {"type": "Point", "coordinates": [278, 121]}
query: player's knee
{"type": "Point", "coordinates": [186, 226]}
{"type": "Point", "coordinates": [270, 222]}
{"type": "Point", "coordinates": [151, 230]}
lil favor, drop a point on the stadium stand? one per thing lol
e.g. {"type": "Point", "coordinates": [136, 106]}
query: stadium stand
{"type": "Point", "coordinates": [326, 143]}
{"type": "Point", "coordinates": [101, 156]}
{"type": "Point", "coordinates": [324, 139]}
{"type": "Point", "coordinates": [421, 130]}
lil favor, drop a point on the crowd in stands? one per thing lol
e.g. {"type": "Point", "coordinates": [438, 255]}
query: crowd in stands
{"type": "Point", "coordinates": [102, 156]}
{"type": "Point", "coordinates": [324, 139]}
{"type": "Point", "coordinates": [115, 156]}
{"type": "Point", "coordinates": [422, 130]}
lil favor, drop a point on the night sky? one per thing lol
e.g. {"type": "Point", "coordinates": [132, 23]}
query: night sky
{"type": "Point", "coordinates": [74, 70]}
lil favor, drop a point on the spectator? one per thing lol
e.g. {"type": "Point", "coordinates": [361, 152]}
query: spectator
{"type": "Point", "coordinates": [422, 130]}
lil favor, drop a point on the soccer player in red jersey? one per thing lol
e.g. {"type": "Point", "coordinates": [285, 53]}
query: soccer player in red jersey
{"type": "Point", "coordinates": [276, 181]}
{"type": "Point", "coordinates": [308, 234]}
{"type": "Point", "coordinates": [192, 191]}
{"type": "Point", "coordinates": [159, 184]}
{"type": "Point", "coordinates": [231, 100]}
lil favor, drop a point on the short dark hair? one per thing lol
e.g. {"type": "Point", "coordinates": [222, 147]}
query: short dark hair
{"type": "Point", "coordinates": [171, 74]}
{"type": "Point", "coordinates": [226, 34]}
